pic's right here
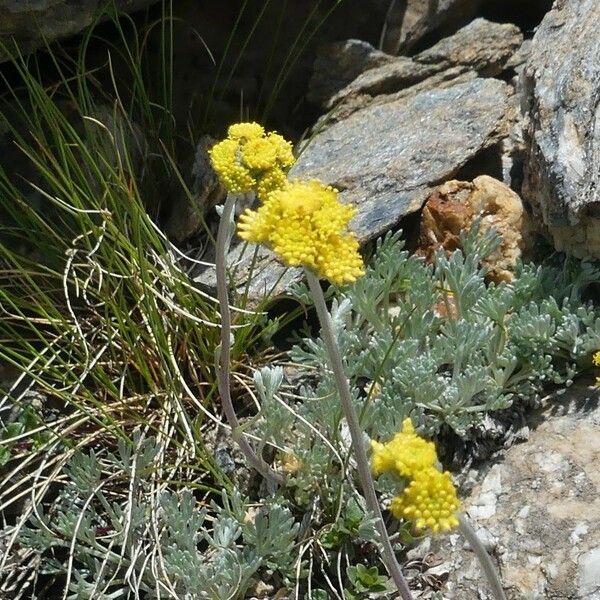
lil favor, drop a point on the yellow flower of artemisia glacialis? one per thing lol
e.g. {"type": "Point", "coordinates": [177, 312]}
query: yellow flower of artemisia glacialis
{"type": "Point", "coordinates": [251, 160]}
{"type": "Point", "coordinates": [429, 500]}
{"type": "Point", "coordinates": [305, 224]}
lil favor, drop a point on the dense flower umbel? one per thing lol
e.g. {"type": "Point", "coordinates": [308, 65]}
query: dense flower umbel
{"type": "Point", "coordinates": [251, 160]}
{"type": "Point", "coordinates": [305, 224]}
{"type": "Point", "coordinates": [430, 499]}
{"type": "Point", "coordinates": [406, 453]}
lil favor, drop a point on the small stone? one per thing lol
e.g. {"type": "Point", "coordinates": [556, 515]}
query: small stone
{"type": "Point", "coordinates": [453, 207]}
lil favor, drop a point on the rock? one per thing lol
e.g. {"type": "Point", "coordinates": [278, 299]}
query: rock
{"type": "Point", "coordinates": [409, 21]}
{"type": "Point", "coordinates": [540, 507]}
{"type": "Point", "coordinates": [481, 46]}
{"type": "Point", "coordinates": [187, 215]}
{"type": "Point", "coordinates": [33, 23]}
{"type": "Point", "coordinates": [386, 159]}
{"type": "Point", "coordinates": [339, 63]}
{"type": "Point", "coordinates": [453, 207]}
{"type": "Point", "coordinates": [560, 97]}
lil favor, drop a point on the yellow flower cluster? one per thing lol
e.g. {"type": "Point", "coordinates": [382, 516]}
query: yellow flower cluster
{"type": "Point", "coordinates": [250, 159]}
{"type": "Point", "coordinates": [305, 224]}
{"type": "Point", "coordinates": [430, 499]}
{"type": "Point", "coordinates": [596, 362]}
{"type": "Point", "coordinates": [406, 453]}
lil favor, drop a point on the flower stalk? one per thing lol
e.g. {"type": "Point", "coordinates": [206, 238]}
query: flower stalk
{"type": "Point", "coordinates": [483, 557]}
{"type": "Point", "coordinates": [223, 358]}
{"type": "Point", "coordinates": [364, 470]}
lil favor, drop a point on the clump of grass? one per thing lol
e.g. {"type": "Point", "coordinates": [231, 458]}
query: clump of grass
{"type": "Point", "coordinates": [99, 318]}
{"type": "Point", "coordinates": [111, 345]}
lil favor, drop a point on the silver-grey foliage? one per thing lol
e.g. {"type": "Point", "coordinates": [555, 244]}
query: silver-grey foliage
{"type": "Point", "coordinates": [446, 348]}
{"type": "Point", "coordinates": [163, 546]}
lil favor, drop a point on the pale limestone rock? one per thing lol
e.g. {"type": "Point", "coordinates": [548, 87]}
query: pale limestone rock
{"type": "Point", "coordinates": [542, 506]}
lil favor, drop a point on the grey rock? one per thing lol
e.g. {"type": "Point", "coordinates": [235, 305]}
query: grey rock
{"type": "Point", "coordinates": [339, 63]}
{"type": "Point", "coordinates": [408, 21]}
{"type": "Point", "coordinates": [255, 269]}
{"type": "Point", "coordinates": [391, 77]}
{"type": "Point", "coordinates": [386, 158]}
{"type": "Point", "coordinates": [561, 98]}
{"type": "Point", "coordinates": [32, 23]}
{"type": "Point", "coordinates": [481, 46]}
{"type": "Point", "coordinates": [542, 510]}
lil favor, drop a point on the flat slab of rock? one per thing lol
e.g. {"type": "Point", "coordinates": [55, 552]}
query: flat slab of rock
{"type": "Point", "coordinates": [537, 510]}
{"type": "Point", "coordinates": [481, 46]}
{"type": "Point", "coordinates": [562, 99]}
{"type": "Point", "coordinates": [385, 159]}
{"type": "Point", "coordinates": [339, 63]}
{"type": "Point", "coordinates": [31, 23]}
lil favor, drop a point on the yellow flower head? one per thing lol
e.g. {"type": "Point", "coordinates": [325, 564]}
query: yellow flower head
{"type": "Point", "coordinates": [430, 501]}
{"type": "Point", "coordinates": [251, 160]}
{"type": "Point", "coordinates": [259, 153]}
{"type": "Point", "coordinates": [285, 156]}
{"type": "Point", "coordinates": [305, 224]}
{"type": "Point", "coordinates": [234, 176]}
{"type": "Point", "coordinates": [406, 453]}
{"type": "Point", "coordinates": [249, 131]}
{"type": "Point", "coordinates": [269, 181]}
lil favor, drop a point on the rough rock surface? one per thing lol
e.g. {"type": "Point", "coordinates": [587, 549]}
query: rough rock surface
{"type": "Point", "coordinates": [481, 46]}
{"type": "Point", "coordinates": [410, 20]}
{"type": "Point", "coordinates": [385, 159]}
{"type": "Point", "coordinates": [453, 207]}
{"type": "Point", "coordinates": [31, 22]}
{"type": "Point", "coordinates": [537, 510]}
{"type": "Point", "coordinates": [562, 101]}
